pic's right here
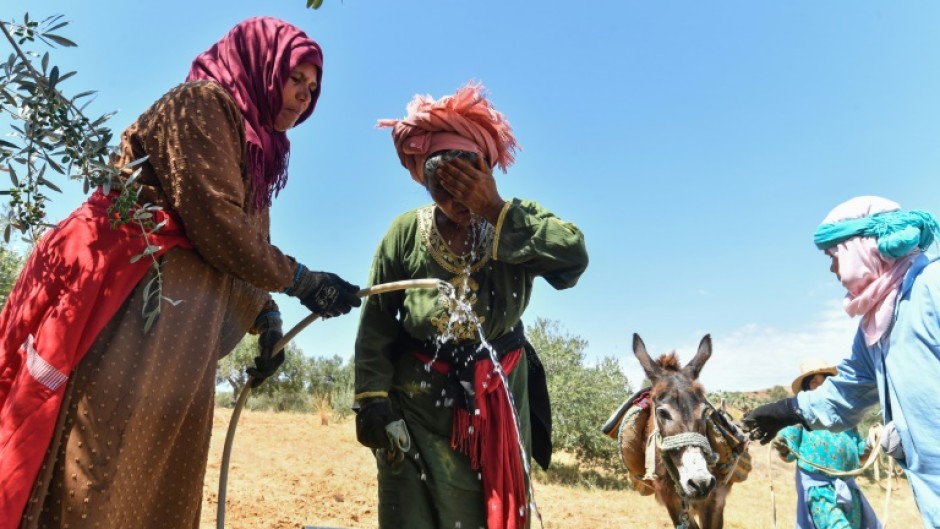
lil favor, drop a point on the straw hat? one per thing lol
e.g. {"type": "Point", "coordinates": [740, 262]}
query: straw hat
{"type": "Point", "coordinates": [810, 367]}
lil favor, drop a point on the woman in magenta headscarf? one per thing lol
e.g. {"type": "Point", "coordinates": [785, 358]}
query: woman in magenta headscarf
{"type": "Point", "coordinates": [437, 414]}
{"type": "Point", "coordinates": [104, 423]}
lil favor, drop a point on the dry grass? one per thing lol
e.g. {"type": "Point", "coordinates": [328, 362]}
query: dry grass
{"type": "Point", "coordinates": [289, 471]}
{"type": "Point", "coordinates": [323, 407]}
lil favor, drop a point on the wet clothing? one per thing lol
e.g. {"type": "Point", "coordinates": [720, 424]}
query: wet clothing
{"type": "Point", "coordinates": [436, 486]}
{"type": "Point", "coordinates": [828, 502]}
{"type": "Point", "coordinates": [131, 437]}
{"type": "Point", "coordinates": [893, 372]}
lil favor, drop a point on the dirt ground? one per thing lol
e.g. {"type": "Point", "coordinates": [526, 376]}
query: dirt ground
{"type": "Point", "coordinates": [289, 471]}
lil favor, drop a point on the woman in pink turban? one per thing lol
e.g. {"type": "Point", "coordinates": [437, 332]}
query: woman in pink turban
{"type": "Point", "coordinates": [451, 445]}
{"type": "Point", "coordinates": [106, 414]}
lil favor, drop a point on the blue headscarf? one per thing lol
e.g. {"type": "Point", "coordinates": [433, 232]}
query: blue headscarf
{"type": "Point", "coordinates": [898, 232]}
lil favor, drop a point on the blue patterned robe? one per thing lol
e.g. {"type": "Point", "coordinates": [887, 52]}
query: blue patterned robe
{"type": "Point", "coordinates": [826, 502]}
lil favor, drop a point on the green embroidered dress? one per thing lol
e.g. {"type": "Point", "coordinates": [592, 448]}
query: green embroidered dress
{"type": "Point", "coordinates": [435, 486]}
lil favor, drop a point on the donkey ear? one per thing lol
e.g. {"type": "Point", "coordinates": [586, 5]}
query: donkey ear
{"type": "Point", "coordinates": [694, 367]}
{"type": "Point", "coordinates": [639, 349]}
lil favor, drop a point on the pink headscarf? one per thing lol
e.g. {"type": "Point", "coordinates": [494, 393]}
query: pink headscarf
{"type": "Point", "coordinates": [872, 280]}
{"type": "Point", "coordinates": [252, 62]}
{"type": "Point", "coordinates": [464, 121]}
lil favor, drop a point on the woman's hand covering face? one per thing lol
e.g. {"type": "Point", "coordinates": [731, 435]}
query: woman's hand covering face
{"type": "Point", "coordinates": [472, 186]}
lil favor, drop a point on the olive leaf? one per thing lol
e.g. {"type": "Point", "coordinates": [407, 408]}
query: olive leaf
{"type": "Point", "coordinates": [51, 140]}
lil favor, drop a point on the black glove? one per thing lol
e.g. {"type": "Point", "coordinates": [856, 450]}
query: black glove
{"type": "Point", "coordinates": [373, 416]}
{"type": "Point", "coordinates": [763, 422]}
{"type": "Point", "coordinates": [268, 325]}
{"type": "Point", "coordinates": [324, 293]}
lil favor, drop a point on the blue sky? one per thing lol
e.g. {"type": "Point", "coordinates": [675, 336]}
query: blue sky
{"type": "Point", "coordinates": [696, 144]}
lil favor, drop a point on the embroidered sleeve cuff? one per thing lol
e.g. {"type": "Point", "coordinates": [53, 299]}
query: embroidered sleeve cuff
{"type": "Point", "coordinates": [499, 227]}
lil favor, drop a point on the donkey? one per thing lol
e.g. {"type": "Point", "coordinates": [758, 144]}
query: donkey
{"type": "Point", "coordinates": [683, 480]}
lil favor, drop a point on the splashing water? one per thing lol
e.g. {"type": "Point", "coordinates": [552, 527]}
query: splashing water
{"type": "Point", "coordinates": [457, 297]}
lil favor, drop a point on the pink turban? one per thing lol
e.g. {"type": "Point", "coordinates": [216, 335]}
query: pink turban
{"type": "Point", "coordinates": [464, 121]}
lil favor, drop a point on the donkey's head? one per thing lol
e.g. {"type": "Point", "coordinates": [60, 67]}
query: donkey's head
{"type": "Point", "coordinates": [679, 406]}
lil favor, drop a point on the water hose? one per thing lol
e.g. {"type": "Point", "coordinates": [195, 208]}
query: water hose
{"type": "Point", "coordinates": [281, 344]}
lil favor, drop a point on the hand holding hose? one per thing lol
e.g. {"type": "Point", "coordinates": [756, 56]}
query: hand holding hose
{"type": "Point", "coordinates": [402, 438]}
{"type": "Point", "coordinates": [269, 327]}
{"type": "Point", "coordinates": [326, 294]}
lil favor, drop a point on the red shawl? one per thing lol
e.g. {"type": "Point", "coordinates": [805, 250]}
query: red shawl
{"type": "Point", "coordinates": [489, 439]}
{"type": "Point", "coordinates": [76, 279]}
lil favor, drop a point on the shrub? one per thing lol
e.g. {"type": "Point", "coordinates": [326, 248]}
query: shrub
{"type": "Point", "coordinates": [583, 396]}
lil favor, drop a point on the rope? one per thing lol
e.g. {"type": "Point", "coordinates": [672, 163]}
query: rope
{"type": "Point", "coordinates": [655, 442]}
{"type": "Point", "coordinates": [721, 422]}
{"type": "Point", "coordinates": [684, 439]}
{"type": "Point", "coordinates": [872, 458]}
{"type": "Point", "coordinates": [770, 477]}
{"type": "Point", "coordinates": [737, 460]}
{"type": "Point", "coordinates": [675, 442]}
{"type": "Point", "coordinates": [884, 516]}
{"type": "Point", "coordinates": [282, 343]}
{"type": "Point", "coordinates": [650, 456]}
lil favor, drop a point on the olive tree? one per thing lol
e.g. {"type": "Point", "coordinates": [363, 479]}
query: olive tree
{"type": "Point", "coordinates": [582, 395]}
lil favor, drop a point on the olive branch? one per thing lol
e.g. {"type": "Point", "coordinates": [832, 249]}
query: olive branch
{"type": "Point", "coordinates": [50, 134]}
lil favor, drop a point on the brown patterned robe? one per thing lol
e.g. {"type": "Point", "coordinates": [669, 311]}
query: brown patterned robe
{"type": "Point", "coordinates": [132, 437]}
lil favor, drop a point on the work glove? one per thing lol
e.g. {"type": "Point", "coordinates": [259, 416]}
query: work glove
{"type": "Point", "coordinates": [268, 324]}
{"type": "Point", "coordinates": [763, 422]}
{"type": "Point", "coordinates": [890, 441]}
{"type": "Point", "coordinates": [325, 294]}
{"type": "Point", "coordinates": [378, 428]}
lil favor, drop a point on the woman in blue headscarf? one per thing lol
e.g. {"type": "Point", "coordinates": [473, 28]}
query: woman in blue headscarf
{"type": "Point", "coordinates": [877, 253]}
